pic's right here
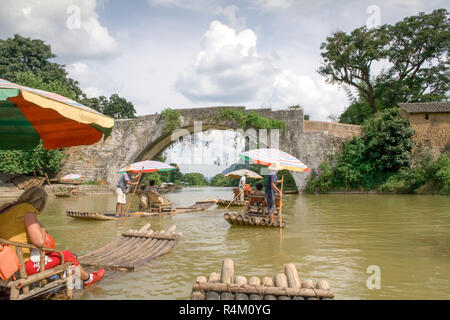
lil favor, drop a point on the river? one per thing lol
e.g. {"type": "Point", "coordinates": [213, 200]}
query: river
{"type": "Point", "coordinates": [330, 237]}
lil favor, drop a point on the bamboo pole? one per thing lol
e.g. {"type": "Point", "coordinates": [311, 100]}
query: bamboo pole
{"type": "Point", "coordinates": [139, 180]}
{"type": "Point", "coordinates": [234, 199]}
{"type": "Point", "coordinates": [281, 201]}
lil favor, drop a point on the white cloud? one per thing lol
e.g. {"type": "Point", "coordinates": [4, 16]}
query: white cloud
{"type": "Point", "coordinates": [70, 26]}
{"type": "Point", "coordinates": [89, 79]}
{"type": "Point", "coordinates": [230, 70]}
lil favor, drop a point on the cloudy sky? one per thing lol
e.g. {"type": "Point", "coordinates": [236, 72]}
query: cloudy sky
{"type": "Point", "coordinates": [197, 53]}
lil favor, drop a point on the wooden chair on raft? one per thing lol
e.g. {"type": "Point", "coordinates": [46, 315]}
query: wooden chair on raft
{"type": "Point", "coordinates": [257, 205]}
{"type": "Point", "coordinates": [158, 203]}
{"type": "Point", "coordinates": [247, 192]}
{"type": "Point", "coordinates": [22, 286]}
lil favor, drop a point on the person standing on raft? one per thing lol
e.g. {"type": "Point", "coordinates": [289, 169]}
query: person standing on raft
{"type": "Point", "coordinates": [242, 186]}
{"type": "Point", "coordinates": [19, 223]}
{"type": "Point", "coordinates": [271, 187]}
{"type": "Point", "coordinates": [121, 190]}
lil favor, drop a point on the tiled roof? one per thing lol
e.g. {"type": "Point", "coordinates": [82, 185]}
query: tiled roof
{"type": "Point", "coordinates": [426, 107]}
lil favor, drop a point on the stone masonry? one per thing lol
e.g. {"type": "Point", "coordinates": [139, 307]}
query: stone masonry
{"type": "Point", "coordinates": [143, 138]}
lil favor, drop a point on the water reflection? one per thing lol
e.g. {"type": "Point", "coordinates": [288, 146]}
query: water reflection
{"type": "Point", "coordinates": [331, 237]}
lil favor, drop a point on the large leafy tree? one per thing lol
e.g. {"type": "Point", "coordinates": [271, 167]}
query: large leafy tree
{"type": "Point", "coordinates": [414, 53]}
{"type": "Point", "coordinates": [19, 54]}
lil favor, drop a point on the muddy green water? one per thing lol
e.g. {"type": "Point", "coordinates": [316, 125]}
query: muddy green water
{"type": "Point", "coordinates": [330, 237]}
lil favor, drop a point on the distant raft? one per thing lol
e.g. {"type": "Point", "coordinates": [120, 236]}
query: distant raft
{"type": "Point", "coordinates": [198, 206]}
{"type": "Point", "coordinates": [283, 286]}
{"type": "Point", "coordinates": [236, 203]}
{"type": "Point", "coordinates": [107, 216]}
{"type": "Point", "coordinates": [133, 248]}
{"type": "Point", "coordinates": [243, 219]}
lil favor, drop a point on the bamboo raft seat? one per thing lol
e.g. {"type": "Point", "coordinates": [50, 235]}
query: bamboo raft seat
{"type": "Point", "coordinates": [23, 286]}
{"type": "Point", "coordinates": [133, 248]}
{"type": "Point", "coordinates": [283, 286]}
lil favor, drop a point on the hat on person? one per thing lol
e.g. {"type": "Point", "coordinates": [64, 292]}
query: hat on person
{"type": "Point", "coordinates": [275, 166]}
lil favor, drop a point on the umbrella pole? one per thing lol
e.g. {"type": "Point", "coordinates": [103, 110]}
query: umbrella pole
{"type": "Point", "coordinates": [129, 204]}
{"type": "Point", "coordinates": [281, 200]}
{"type": "Point", "coordinates": [234, 199]}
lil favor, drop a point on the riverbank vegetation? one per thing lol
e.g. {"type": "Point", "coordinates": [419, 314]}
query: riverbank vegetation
{"type": "Point", "coordinates": [380, 159]}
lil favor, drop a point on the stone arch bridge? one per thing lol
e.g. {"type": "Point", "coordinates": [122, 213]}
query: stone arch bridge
{"type": "Point", "coordinates": [145, 137]}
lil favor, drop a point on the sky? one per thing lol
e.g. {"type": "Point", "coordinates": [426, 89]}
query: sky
{"type": "Point", "coordinates": [193, 53]}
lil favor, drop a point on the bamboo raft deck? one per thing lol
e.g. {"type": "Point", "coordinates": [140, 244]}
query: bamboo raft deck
{"type": "Point", "coordinates": [283, 286]}
{"type": "Point", "coordinates": [198, 206]}
{"type": "Point", "coordinates": [132, 249]}
{"type": "Point", "coordinates": [256, 214]}
{"type": "Point", "coordinates": [236, 203]}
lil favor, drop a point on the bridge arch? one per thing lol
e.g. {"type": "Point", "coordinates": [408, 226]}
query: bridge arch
{"type": "Point", "coordinates": [145, 137]}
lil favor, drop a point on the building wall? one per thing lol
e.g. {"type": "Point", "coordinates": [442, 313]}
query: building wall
{"type": "Point", "coordinates": [332, 128]}
{"type": "Point", "coordinates": [433, 133]}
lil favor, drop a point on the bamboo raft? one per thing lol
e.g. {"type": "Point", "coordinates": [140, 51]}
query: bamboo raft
{"type": "Point", "coordinates": [198, 206]}
{"type": "Point", "coordinates": [132, 249]}
{"type": "Point", "coordinates": [244, 219]}
{"type": "Point", "coordinates": [283, 286]}
{"type": "Point", "coordinates": [236, 203]}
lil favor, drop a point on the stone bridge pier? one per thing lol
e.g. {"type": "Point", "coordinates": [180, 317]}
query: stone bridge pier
{"type": "Point", "coordinates": [145, 137]}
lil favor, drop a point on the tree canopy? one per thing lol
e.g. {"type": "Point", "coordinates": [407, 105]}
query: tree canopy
{"type": "Point", "coordinates": [414, 56]}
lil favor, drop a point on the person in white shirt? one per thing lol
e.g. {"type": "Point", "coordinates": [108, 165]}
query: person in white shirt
{"type": "Point", "coordinates": [242, 182]}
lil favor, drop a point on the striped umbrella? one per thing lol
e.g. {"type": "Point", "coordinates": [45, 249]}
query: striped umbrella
{"type": "Point", "coordinates": [243, 172]}
{"type": "Point", "coordinates": [71, 176]}
{"type": "Point", "coordinates": [147, 166]}
{"type": "Point", "coordinates": [268, 157]}
{"type": "Point", "coordinates": [28, 115]}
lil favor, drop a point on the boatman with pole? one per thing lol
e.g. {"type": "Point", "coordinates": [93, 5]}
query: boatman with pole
{"type": "Point", "coordinates": [122, 188]}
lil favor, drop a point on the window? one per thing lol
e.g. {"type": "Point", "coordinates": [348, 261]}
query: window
{"type": "Point", "coordinates": [426, 116]}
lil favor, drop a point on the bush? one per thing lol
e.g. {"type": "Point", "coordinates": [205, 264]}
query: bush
{"type": "Point", "coordinates": [441, 174]}
{"type": "Point", "coordinates": [25, 162]}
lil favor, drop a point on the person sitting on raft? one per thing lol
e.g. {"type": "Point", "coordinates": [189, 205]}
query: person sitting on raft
{"type": "Point", "coordinates": [256, 193]}
{"type": "Point", "coordinates": [152, 187]}
{"type": "Point", "coordinates": [19, 223]}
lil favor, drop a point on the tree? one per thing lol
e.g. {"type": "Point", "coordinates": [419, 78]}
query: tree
{"type": "Point", "coordinates": [219, 180]}
{"type": "Point", "coordinates": [414, 52]}
{"type": "Point", "coordinates": [19, 54]}
{"type": "Point", "coordinates": [348, 59]}
{"type": "Point", "coordinates": [116, 106]}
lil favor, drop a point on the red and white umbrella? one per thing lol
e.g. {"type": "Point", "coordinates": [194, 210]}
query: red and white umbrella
{"type": "Point", "coordinates": [147, 166]}
{"type": "Point", "coordinates": [268, 157]}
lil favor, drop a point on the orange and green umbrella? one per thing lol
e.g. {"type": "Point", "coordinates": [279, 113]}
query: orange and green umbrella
{"type": "Point", "coordinates": [28, 115]}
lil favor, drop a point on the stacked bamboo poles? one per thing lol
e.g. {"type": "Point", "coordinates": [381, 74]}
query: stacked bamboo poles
{"type": "Point", "coordinates": [252, 220]}
{"type": "Point", "coordinates": [133, 248]}
{"type": "Point", "coordinates": [283, 286]}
